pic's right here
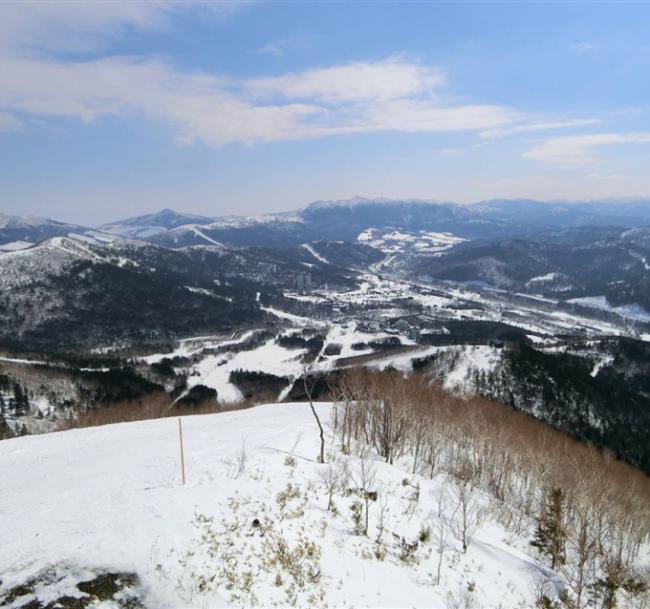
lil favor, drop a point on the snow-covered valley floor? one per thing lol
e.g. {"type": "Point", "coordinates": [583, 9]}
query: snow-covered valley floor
{"type": "Point", "coordinates": [249, 527]}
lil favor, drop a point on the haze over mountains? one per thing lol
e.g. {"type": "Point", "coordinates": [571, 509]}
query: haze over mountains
{"type": "Point", "coordinates": [343, 220]}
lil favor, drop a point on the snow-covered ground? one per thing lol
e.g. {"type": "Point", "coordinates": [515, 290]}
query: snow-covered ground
{"type": "Point", "coordinates": [15, 246]}
{"type": "Point", "coordinates": [110, 498]}
{"type": "Point", "coordinates": [392, 241]}
{"type": "Point", "coordinates": [271, 358]}
{"type": "Point", "coordinates": [633, 311]}
{"type": "Point", "coordinates": [214, 370]}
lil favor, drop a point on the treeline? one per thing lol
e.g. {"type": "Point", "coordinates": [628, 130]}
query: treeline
{"type": "Point", "coordinates": [14, 398]}
{"type": "Point", "coordinates": [156, 405]}
{"type": "Point", "coordinates": [583, 510]}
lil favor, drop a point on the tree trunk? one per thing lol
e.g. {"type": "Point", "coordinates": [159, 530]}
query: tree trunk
{"type": "Point", "coordinates": [320, 427]}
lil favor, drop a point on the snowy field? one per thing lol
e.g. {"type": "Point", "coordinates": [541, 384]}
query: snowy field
{"type": "Point", "coordinates": [401, 241]}
{"type": "Point", "coordinates": [110, 498]}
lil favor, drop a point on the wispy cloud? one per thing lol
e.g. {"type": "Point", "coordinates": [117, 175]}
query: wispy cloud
{"type": "Point", "coordinates": [281, 46]}
{"type": "Point", "coordinates": [450, 152]}
{"type": "Point", "coordinates": [580, 149]}
{"type": "Point", "coordinates": [583, 47]}
{"type": "Point", "coordinates": [77, 26]}
{"type": "Point", "coordinates": [354, 82]}
{"type": "Point", "coordinates": [394, 94]}
{"type": "Point", "coordinates": [604, 177]}
{"type": "Point", "coordinates": [538, 126]}
{"type": "Point", "coordinates": [196, 105]}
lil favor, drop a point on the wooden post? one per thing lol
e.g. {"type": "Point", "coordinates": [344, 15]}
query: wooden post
{"type": "Point", "coordinates": [180, 436]}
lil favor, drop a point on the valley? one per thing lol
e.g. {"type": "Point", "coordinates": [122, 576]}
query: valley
{"type": "Point", "coordinates": [94, 319]}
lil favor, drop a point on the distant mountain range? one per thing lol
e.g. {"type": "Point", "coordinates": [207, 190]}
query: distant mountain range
{"type": "Point", "coordinates": [152, 278]}
{"type": "Point", "coordinates": [340, 220]}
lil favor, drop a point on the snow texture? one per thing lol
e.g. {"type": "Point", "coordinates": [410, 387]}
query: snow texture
{"type": "Point", "coordinates": [111, 498]}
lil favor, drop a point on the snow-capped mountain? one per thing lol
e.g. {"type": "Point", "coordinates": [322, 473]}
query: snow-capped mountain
{"type": "Point", "coordinates": [148, 225]}
{"type": "Point", "coordinates": [20, 232]}
{"type": "Point", "coordinates": [346, 219]}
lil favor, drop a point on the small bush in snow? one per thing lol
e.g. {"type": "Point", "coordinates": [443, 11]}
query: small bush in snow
{"type": "Point", "coordinates": [425, 534]}
{"type": "Point", "coordinates": [357, 517]}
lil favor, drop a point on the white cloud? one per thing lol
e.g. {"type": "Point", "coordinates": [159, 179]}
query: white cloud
{"type": "Point", "coordinates": [360, 97]}
{"type": "Point", "coordinates": [218, 111]}
{"type": "Point", "coordinates": [579, 149]}
{"type": "Point", "coordinates": [197, 105]}
{"type": "Point", "coordinates": [538, 126]}
{"type": "Point", "coordinates": [354, 82]}
{"type": "Point", "coordinates": [422, 116]}
{"type": "Point", "coordinates": [90, 25]}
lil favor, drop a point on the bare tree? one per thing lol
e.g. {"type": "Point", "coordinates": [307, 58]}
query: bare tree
{"type": "Point", "coordinates": [389, 421]}
{"type": "Point", "coordinates": [344, 392]}
{"type": "Point", "coordinates": [442, 532]}
{"type": "Point", "coordinates": [466, 513]}
{"type": "Point", "coordinates": [309, 388]}
{"type": "Point", "coordinates": [331, 478]}
{"type": "Point", "coordinates": [581, 556]}
{"type": "Point", "coordinates": [365, 481]}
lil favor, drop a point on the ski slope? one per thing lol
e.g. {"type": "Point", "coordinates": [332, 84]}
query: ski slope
{"type": "Point", "coordinates": [111, 498]}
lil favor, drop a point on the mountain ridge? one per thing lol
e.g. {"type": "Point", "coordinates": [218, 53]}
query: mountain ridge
{"type": "Point", "coordinates": [508, 214]}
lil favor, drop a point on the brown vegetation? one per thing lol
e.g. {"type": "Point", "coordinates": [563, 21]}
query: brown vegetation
{"type": "Point", "coordinates": [152, 406]}
{"type": "Point", "coordinates": [483, 446]}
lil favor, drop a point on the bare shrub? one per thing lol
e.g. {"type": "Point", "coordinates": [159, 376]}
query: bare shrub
{"type": "Point", "coordinates": [331, 478]}
{"type": "Point", "coordinates": [237, 464]}
{"type": "Point", "coordinates": [424, 536]}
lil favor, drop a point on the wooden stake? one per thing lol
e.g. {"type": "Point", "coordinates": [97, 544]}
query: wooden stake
{"type": "Point", "coordinates": [180, 436]}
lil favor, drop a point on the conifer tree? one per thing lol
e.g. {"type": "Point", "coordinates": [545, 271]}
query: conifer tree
{"type": "Point", "coordinates": [20, 401]}
{"type": "Point", "coordinates": [550, 535]}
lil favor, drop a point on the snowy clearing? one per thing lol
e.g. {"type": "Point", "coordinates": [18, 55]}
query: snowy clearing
{"type": "Point", "coordinates": [633, 311]}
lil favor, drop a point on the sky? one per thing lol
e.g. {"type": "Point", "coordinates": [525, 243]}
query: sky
{"type": "Point", "coordinates": [113, 109]}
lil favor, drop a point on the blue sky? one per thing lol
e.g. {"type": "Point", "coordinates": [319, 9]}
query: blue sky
{"type": "Point", "coordinates": [113, 109]}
